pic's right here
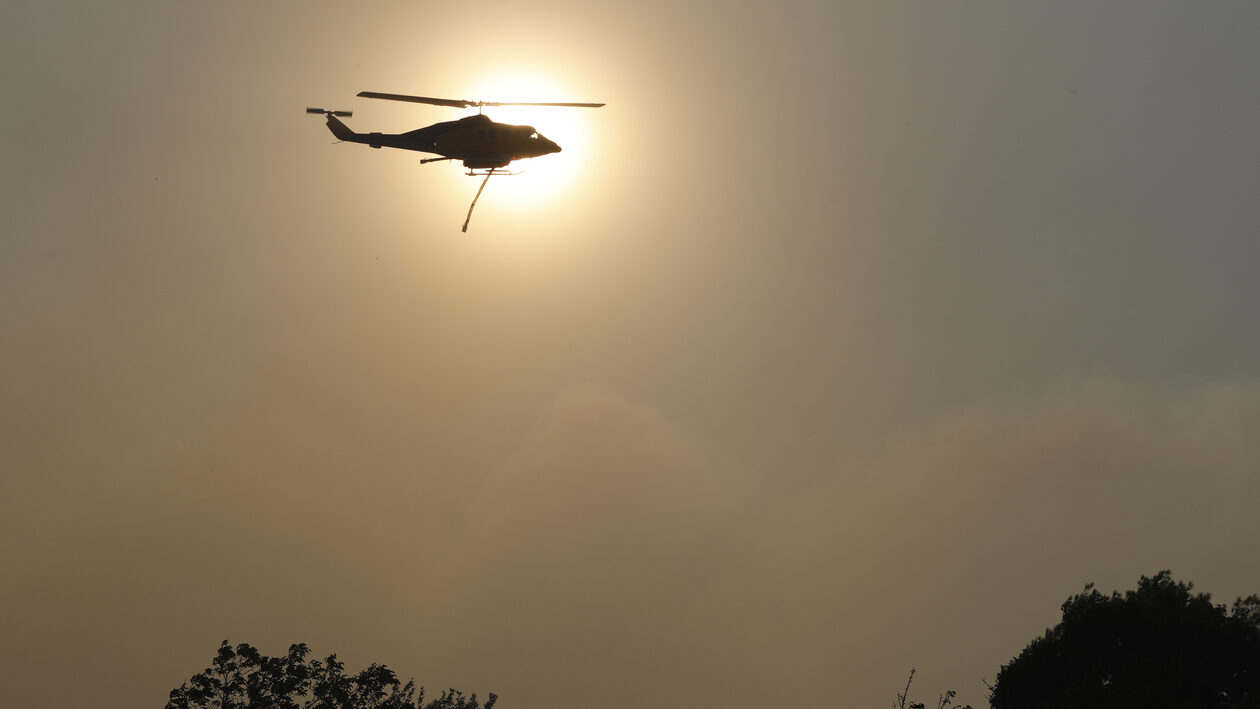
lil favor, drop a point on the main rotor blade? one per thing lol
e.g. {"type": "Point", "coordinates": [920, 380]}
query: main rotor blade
{"type": "Point", "coordinates": [568, 105]}
{"type": "Point", "coordinates": [460, 103]}
{"type": "Point", "coordinates": [453, 103]}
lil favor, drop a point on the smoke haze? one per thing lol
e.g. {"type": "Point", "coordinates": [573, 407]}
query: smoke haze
{"type": "Point", "coordinates": [870, 333]}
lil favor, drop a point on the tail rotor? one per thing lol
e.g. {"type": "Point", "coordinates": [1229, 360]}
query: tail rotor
{"type": "Point", "coordinates": [326, 112]}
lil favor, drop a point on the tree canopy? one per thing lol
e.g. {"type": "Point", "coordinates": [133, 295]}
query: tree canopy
{"type": "Point", "coordinates": [242, 678]}
{"type": "Point", "coordinates": [1158, 645]}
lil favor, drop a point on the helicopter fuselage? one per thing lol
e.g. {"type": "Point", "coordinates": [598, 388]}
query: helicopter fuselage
{"type": "Point", "coordinates": [485, 147]}
{"type": "Point", "coordinates": [477, 141]}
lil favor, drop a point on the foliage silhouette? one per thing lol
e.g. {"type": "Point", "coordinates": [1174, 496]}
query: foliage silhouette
{"type": "Point", "coordinates": [945, 701]}
{"type": "Point", "coordinates": [243, 678]}
{"type": "Point", "coordinates": [1158, 645]}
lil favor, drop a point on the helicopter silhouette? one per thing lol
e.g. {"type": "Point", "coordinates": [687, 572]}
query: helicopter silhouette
{"type": "Point", "coordinates": [482, 145]}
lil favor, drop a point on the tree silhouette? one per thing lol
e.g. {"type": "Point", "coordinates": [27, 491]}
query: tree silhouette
{"type": "Point", "coordinates": [1158, 645]}
{"type": "Point", "coordinates": [243, 678]}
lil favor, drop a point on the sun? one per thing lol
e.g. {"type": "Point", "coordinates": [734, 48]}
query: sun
{"type": "Point", "coordinates": [545, 180]}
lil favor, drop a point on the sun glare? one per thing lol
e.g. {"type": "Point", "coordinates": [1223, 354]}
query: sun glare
{"type": "Point", "coordinates": [546, 180]}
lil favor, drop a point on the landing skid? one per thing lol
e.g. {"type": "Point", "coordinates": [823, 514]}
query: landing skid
{"type": "Point", "coordinates": [479, 172]}
{"type": "Point", "coordinates": [498, 172]}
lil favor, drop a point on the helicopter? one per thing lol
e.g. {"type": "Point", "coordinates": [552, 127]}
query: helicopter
{"type": "Point", "coordinates": [484, 146]}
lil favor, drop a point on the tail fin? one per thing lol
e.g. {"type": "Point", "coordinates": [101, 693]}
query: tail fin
{"type": "Point", "coordinates": [339, 129]}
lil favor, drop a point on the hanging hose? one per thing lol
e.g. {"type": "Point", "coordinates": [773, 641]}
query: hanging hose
{"type": "Point", "coordinates": [474, 202]}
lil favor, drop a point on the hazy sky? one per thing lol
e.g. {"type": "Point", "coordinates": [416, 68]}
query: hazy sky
{"type": "Point", "coordinates": [856, 337]}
